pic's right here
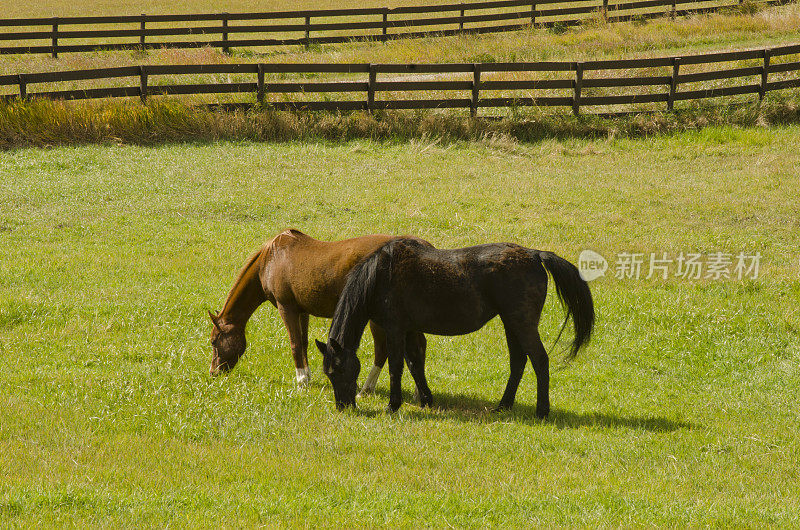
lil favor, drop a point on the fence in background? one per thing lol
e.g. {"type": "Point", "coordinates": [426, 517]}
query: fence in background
{"type": "Point", "coordinates": [229, 30]}
{"type": "Point", "coordinates": [478, 82]}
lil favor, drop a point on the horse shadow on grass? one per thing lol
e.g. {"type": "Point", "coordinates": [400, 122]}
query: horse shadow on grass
{"type": "Point", "coordinates": [469, 408]}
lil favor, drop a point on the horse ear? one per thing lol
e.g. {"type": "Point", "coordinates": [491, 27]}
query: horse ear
{"type": "Point", "coordinates": [214, 320]}
{"type": "Point", "coordinates": [336, 346]}
{"type": "Point", "coordinates": [323, 348]}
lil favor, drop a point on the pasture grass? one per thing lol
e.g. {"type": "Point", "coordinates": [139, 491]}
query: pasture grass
{"type": "Point", "coordinates": [683, 410]}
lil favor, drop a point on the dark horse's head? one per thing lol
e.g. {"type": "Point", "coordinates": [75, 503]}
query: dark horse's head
{"type": "Point", "coordinates": [228, 342]}
{"type": "Point", "coordinates": [342, 368]}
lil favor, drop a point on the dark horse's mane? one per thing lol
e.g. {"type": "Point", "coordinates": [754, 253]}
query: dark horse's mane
{"type": "Point", "coordinates": [355, 300]}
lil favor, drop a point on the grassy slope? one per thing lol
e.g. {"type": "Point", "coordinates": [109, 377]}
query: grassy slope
{"type": "Point", "coordinates": [683, 411]}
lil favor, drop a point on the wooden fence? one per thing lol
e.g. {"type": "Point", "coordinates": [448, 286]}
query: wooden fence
{"type": "Point", "coordinates": [229, 30]}
{"type": "Point", "coordinates": [476, 85]}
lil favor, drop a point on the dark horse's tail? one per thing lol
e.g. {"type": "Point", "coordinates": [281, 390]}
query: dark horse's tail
{"type": "Point", "coordinates": [576, 297]}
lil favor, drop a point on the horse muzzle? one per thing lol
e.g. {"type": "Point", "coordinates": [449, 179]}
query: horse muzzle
{"type": "Point", "coordinates": [218, 368]}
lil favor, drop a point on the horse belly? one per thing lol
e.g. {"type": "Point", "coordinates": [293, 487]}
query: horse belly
{"type": "Point", "coordinates": [447, 315]}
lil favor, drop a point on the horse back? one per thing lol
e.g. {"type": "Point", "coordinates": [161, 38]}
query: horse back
{"type": "Point", "coordinates": [456, 291]}
{"type": "Point", "coordinates": [309, 275]}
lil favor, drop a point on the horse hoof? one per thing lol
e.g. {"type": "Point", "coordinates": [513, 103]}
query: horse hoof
{"type": "Point", "coordinates": [501, 407]}
{"type": "Point", "coordinates": [303, 377]}
{"type": "Point", "coordinates": [391, 409]}
{"type": "Point", "coordinates": [366, 391]}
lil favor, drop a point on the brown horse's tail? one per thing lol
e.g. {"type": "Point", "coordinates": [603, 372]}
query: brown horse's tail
{"type": "Point", "coordinates": [574, 293]}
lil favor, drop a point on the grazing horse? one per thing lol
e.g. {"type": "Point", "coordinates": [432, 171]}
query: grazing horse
{"type": "Point", "coordinates": [301, 276]}
{"type": "Point", "coordinates": [406, 287]}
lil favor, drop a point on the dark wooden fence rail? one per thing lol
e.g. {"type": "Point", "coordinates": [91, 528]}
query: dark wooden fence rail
{"type": "Point", "coordinates": [323, 26]}
{"type": "Point", "coordinates": [474, 80]}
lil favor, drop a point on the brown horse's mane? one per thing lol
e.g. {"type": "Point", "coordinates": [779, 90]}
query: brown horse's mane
{"type": "Point", "coordinates": [264, 252]}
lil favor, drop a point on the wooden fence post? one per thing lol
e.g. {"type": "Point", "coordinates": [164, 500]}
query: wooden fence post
{"type": "Point", "coordinates": [260, 90]}
{"type": "Point", "coordinates": [476, 81]}
{"type": "Point", "coordinates": [142, 84]}
{"type": "Point", "coordinates": [385, 36]}
{"type": "Point", "coordinates": [673, 83]}
{"type": "Point", "coordinates": [576, 99]}
{"type": "Point", "coordinates": [23, 87]}
{"type": "Point", "coordinates": [308, 32]}
{"type": "Point", "coordinates": [55, 38]}
{"type": "Point", "coordinates": [373, 76]}
{"type": "Point", "coordinates": [605, 10]}
{"type": "Point", "coordinates": [225, 47]}
{"type": "Point", "coordinates": [461, 19]}
{"type": "Point", "coordinates": [674, 8]}
{"type": "Point", "coordinates": [533, 14]}
{"type": "Point", "coordinates": [141, 27]}
{"type": "Point", "coordinates": [764, 74]}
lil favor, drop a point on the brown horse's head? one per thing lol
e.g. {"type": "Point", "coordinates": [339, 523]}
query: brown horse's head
{"type": "Point", "coordinates": [342, 368]}
{"type": "Point", "coordinates": [228, 342]}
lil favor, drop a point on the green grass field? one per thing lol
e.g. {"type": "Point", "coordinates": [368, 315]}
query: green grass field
{"type": "Point", "coordinates": [682, 412]}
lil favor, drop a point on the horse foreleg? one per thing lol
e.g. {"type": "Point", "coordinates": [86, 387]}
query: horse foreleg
{"type": "Point", "coordinates": [297, 341]}
{"type": "Point", "coordinates": [415, 358]}
{"type": "Point", "coordinates": [396, 345]}
{"type": "Point", "coordinates": [304, 338]}
{"type": "Point", "coordinates": [379, 338]}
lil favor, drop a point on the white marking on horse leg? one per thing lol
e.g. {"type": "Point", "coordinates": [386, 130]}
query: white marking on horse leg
{"type": "Point", "coordinates": [371, 381]}
{"type": "Point", "coordinates": [303, 376]}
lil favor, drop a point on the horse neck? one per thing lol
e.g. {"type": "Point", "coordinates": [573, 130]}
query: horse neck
{"type": "Point", "coordinates": [349, 333]}
{"type": "Point", "coordinates": [245, 296]}
{"type": "Point", "coordinates": [348, 327]}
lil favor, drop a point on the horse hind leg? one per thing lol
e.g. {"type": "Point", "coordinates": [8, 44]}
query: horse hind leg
{"type": "Point", "coordinates": [517, 360]}
{"type": "Point", "coordinates": [525, 343]}
{"type": "Point", "coordinates": [541, 366]}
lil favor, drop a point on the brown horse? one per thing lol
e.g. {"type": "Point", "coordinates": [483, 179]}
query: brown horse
{"type": "Point", "coordinates": [301, 276]}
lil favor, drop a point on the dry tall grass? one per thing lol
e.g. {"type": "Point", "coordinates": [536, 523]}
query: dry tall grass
{"type": "Point", "coordinates": [48, 123]}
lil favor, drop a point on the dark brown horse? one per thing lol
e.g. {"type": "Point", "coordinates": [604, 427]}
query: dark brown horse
{"type": "Point", "coordinates": [409, 288]}
{"type": "Point", "coordinates": [301, 276]}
